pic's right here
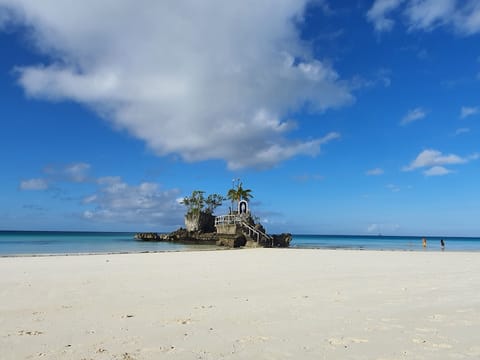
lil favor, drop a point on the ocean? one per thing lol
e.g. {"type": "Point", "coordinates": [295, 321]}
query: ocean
{"type": "Point", "coordinates": [66, 242]}
{"type": "Point", "coordinates": [69, 242]}
{"type": "Point", "coordinates": [362, 242]}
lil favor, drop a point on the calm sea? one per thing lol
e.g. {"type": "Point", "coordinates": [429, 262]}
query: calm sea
{"type": "Point", "coordinates": [68, 242]}
{"type": "Point", "coordinates": [46, 242]}
{"type": "Point", "coordinates": [385, 242]}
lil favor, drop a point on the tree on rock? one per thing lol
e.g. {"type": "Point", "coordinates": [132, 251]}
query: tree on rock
{"type": "Point", "coordinates": [239, 193]}
{"type": "Point", "coordinates": [212, 202]}
{"type": "Point", "coordinates": [199, 216]}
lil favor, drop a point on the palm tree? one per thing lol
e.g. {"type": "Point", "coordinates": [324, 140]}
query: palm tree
{"type": "Point", "coordinates": [244, 194]}
{"type": "Point", "coordinates": [232, 195]}
{"type": "Point", "coordinates": [212, 202]}
{"type": "Point", "coordinates": [235, 195]}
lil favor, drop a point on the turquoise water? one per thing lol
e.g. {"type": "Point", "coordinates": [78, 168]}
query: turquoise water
{"type": "Point", "coordinates": [385, 242]}
{"type": "Point", "coordinates": [45, 242]}
{"type": "Point", "coordinates": [60, 242]}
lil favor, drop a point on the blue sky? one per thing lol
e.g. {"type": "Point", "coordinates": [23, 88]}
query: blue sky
{"type": "Point", "coordinates": [343, 117]}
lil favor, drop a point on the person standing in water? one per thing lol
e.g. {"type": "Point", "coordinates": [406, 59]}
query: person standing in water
{"type": "Point", "coordinates": [442, 244]}
{"type": "Point", "coordinates": [424, 242]}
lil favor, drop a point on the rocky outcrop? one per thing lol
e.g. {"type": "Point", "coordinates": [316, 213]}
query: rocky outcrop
{"type": "Point", "coordinates": [282, 240]}
{"type": "Point", "coordinates": [231, 241]}
{"type": "Point", "coordinates": [234, 239]}
{"type": "Point", "coordinates": [183, 236]}
{"type": "Point", "coordinates": [191, 237]}
{"type": "Point", "coordinates": [148, 236]}
{"type": "Point", "coordinates": [200, 221]}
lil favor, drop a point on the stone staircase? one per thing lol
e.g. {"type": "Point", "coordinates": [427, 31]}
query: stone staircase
{"type": "Point", "coordinates": [256, 237]}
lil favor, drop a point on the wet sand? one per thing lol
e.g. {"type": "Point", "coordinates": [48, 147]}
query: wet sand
{"type": "Point", "coordinates": [242, 304]}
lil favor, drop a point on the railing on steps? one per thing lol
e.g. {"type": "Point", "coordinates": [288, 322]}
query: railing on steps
{"type": "Point", "coordinates": [248, 229]}
{"type": "Point", "coordinates": [228, 220]}
{"type": "Point", "coordinates": [258, 233]}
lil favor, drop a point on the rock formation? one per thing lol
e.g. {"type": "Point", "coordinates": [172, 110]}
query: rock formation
{"type": "Point", "coordinates": [236, 229]}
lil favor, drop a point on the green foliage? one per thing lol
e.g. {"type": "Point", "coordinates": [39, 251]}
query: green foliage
{"type": "Point", "coordinates": [197, 202]}
{"type": "Point", "coordinates": [212, 202]}
{"type": "Point", "coordinates": [239, 193]}
{"type": "Point", "coordinates": [232, 195]}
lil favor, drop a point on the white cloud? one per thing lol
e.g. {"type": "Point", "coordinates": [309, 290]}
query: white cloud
{"type": "Point", "coordinates": [274, 153]}
{"type": "Point", "coordinates": [89, 199]}
{"type": "Point", "coordinates": [427, 14]}
{"type": "Point", "coordinates": [379, 11]}
{"type": "Point", "coordinates": [437, 171]}
{"type": "Point", "coordinates": [77, 172]}
{"type": "Point", "coordinates": [430, 158]}
{"type": "Point", "coordinates": [145, 203]}
{"type": "Point", "coordinates": [114, 200]}
{"type": "Point", "coordinates": [435, 161]}
{"type": "Point", "coordinates": [34, 184]}
{"type": "Point", "coordinates": [375, 172]}
{"type": "Point", "coordinates": [74, 172]}
{"type": "Point", "coordinates": [413, 115]}
{"type": "Point", "coordinates": [206, 80]}
{"type": "Point", "coordinates": [466, 111]}
{"type": "Point", "coordinates": [463, 16]}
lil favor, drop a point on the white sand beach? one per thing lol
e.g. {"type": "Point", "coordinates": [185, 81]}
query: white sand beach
{"type": "Point", "coordinates": [242, 304]}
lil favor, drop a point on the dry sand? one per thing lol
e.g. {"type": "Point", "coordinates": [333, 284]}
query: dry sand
{"type": "Point", "coordinates": [247, 304]}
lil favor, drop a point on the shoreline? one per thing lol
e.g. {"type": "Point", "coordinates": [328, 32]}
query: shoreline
{"type": "Point", "coordinates": [452, 251]}
{"type": "Point", "coordinates": [222, 248]}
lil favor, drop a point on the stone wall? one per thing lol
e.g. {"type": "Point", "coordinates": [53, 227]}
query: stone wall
{"type": "Point", "coordinates": [230, 229]}
{"type": "Point", "coordinates": [231, 241]}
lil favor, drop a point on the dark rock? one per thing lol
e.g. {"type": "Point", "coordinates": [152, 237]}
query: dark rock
{"type": "Point", "coordinates": [183, 236]}
{"type": "Point", "coordinates": [149, 236]}
{"type": "Point", "coordinates": [282, 240]}
{"type": "Point", "coordinates": [231, 241]}
{"type": "Point", "coordinates": [200, 221]}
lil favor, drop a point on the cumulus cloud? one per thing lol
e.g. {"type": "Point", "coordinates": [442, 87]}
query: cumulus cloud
{"type": "Point", "coordinates": [274, 153]}
{"type": "Point", "coordinates": [413, 115]}
{"type": "Point", "coordinates": [113, 200]}
{"type": "Point", "coordinates": [203, 79]}
{"type": "Point", "coordinates": [467, 111]}
{"type": "Point", "coordinates": [435, 161]}
{"type": "Point", "coordinates": [375, 172]}
{"type": "Point", "coordinates": [427, 14]}
{"type": "Point", "coordinates": [434, 158]}
{"type": "Point", "coordinates": [34, 184]}
{"type": "Point", "coordinates": [74, 172]}
{"type": "Point", "coordinates": [437, 171]}
{"type": "Point", "coordinates": [463, 16]}
{"type": "Point", "coordinates": [379, 11]}
{"type": "Point", "coordinates": [145, 203]}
